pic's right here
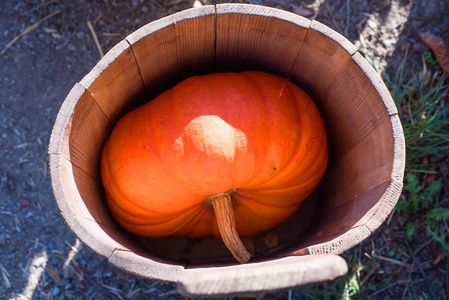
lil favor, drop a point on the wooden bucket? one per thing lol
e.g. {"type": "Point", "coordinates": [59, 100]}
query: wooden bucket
{"type": "Point", "coordinates": [366, 144]}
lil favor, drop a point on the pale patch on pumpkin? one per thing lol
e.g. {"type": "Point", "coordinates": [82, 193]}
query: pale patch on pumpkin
{"type": "Point", "coordinates": [178, 146]}
{"type": "Point", "coordinates": [214, 137]}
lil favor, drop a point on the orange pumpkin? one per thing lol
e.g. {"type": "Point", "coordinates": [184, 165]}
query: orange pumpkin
{"type": "Point", "coordinates": [252, 140]}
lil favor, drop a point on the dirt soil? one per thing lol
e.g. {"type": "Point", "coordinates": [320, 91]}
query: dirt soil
{"type": "Point", "coordinates": [39, 256]}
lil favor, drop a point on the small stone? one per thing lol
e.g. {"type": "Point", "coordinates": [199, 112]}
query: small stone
{"type": "Point", "coordinates": [71, 47]}
{"type": "Point", "coordinates": [372, 24]}
{"type": "Point", "coordinates": [55, 291]}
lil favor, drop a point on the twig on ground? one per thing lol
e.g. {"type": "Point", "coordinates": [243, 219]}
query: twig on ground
{"type": "Point", "coordinates": [132, 292]}
{"type": "Point", "coordinates": [418, 263]}
{"type": "Point", "coordinates": [151, 288]}
{"type": "Point", "coordinates": [28, 30]}
{"type": "Point", "coordinates": [5, 275]}
{"type": "Point", "coordinates": [113, 291]}
{"type": "Point", "coordinates": [391, 260]}
{"type": "Point", "coordinates": [172, 292]}
{"type": "Point", "coordinates": [384, 289]}
{"type": "Point", "coordinates": [423, 246]}
{"type": "Point", "coordinates": [408, 281]}
{"type": "Point", "coordinates": [369, 274]}
{"type": "Point", "coordinates": [39, 6]}
{"type": "Point", "coordinates": [174, 2]}
{"type": "Point", "coordinates": [92, 31]}
{"type": "Point", "coordinates": [105, 289]}
{"type": "Point", "coordinates": [111, 34]}
{"type": "Point", "coordinates": [333, 19]}
{"type": "Point", "coordinates": [37, 267]}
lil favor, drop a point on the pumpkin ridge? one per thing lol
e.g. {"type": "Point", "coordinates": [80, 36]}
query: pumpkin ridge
{"type": "Point", "coordinates": [227, 116]}
{"type": "Point", "coordinates": [239, 197]}
{"type": "Point", "coordinates": [314, 171]}
{"type": "Point", "coordinates": [287, 170]}
{"type": "Point", "coordinates": [170, 227]}
{"type": "Point", "coordinates": [112, 183]}
{"type": "Point", "coordinates": [262, 110]}
{"type": "Point", "coordinates": [118, 205]}
{"type": "Point", "coordinates": [258, 87]}
{"type": "Point", "coordinates": [158, 219]}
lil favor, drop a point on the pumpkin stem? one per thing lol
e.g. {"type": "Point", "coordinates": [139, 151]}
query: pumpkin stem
{"type": "Point", "coordinates": [224, 213]}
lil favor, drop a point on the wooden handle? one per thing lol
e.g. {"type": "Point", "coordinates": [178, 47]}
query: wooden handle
{"type": "Point", "coordinates": [255, 278]}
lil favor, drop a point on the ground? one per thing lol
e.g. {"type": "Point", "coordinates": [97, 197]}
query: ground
{"type": "Point", "coordinates": [38, 70]}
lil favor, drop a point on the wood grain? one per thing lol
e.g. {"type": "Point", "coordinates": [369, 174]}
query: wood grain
{"type": "Point", "coordinates": [141, 264]}
{"type": "Point", "coordinates": [251, 37]}
{"type": "Point", "coordinates": [115, 82]}
{"type": "Point", "coordinates": [261, 277]}
{"type": "Point", "coordinates": [320, 60]}
{"type": "Point", "coordinates": [174, 48]}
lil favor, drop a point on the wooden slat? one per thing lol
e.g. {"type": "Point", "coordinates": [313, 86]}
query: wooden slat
{"type": "Point", "coordinates": [341, 238]}
{"type": "Point", "coordinates": [337, 222]}
{"type": "Point", "coordinates": [351, 110]}
{"type": "Point", "coordinates": [174, 48]}
{"type": "Point", "coordinates": [376, 81]}
{"type": "Point", "coordinates": [251, 37]}
{"type": "Point", "coordinates": [321, 58]}
{"type": "Point", "coordinates": [367, 165]}
{"type": "Point", "coordinates": [75, 148]}
{"type": "Point", "coordinates": [89, 130]}
{"type": "Point", "coordinates": [397, 172]}
{"type": "Point", "coordinates": [387, 202]}
{"type": "Point", "coordinates": [140, 264]}
{"type": "Point", "coordinates": [64, 188]}
{"type": "Point", "coordinates": [115, 82]}
{"type": "Point", "coordinates": [261, 277]}
{"type": "Point", "coordinates": [341, 242]}
{"type": "Point", "coordinates": [103, 237]}
{"type": "Point", "coordinates": [364, 179]}
{"type": "Point", "coordinates": [59, 139]}
{"type": "Point", "coordinates": [80, 130]}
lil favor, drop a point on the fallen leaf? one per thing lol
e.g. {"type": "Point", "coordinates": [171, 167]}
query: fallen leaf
{"type": "Point", "coordinates": [439, 49]}
{"type": "Point", "coordinates": [53, 275]}
{"type": "Point", "coordinates": [305, 12]}
{"type": "Point", "coordinates": [25, 202]}
{"type": "Point", "coordinates": [438, 258]}
{"type": "Point", "coordinates": [122, 275]}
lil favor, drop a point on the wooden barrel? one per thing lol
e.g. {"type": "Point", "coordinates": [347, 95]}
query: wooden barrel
{"type": "Point", "coordinates": [366, 144]}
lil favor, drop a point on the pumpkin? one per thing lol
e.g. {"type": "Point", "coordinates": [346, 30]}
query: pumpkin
{"type": "Point", "coordinates": [229, 155]}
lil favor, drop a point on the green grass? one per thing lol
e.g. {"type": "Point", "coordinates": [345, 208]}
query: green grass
{"type": "Point", "coordinates": [424, 112]}
{"type": "Point", "coordinates": [422, 107]}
